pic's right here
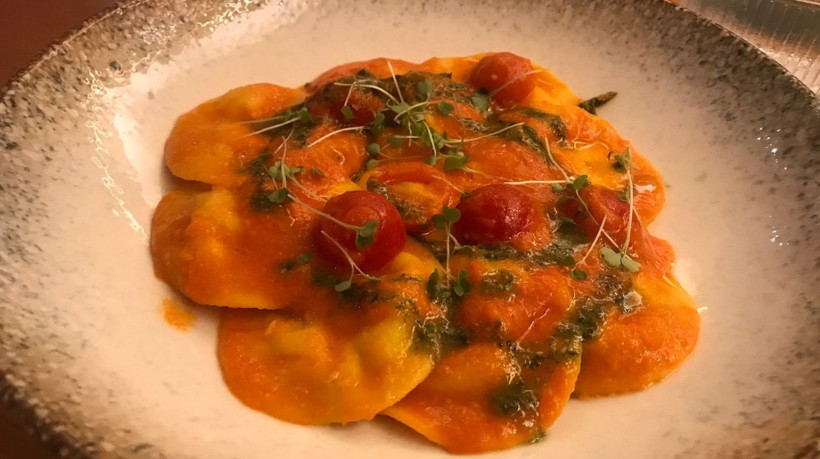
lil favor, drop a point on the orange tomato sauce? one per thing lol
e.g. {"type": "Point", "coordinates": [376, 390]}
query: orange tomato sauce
{"type": "Point", "coordinates": [476, 346]}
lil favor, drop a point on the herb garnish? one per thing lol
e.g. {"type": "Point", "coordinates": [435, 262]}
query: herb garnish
{"type": "Point", "coordinates": [592, 104]}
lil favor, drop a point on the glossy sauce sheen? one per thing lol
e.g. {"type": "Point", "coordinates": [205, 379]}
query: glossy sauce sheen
{"type": "Point", "coordinates": [476, 340]}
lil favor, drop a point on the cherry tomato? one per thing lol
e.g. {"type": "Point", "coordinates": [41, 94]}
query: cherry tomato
{"type": "Point", "coordinates": [418, 189]}
{"type": "Point", "coordinates": [355, 107]}
{"type": "Point", "coordinates": [492, 214]}
{"type": "Point", "coordinates": [603, 202]}
{"type": "Point", "coordinates": [362, 107]}
{"type": "Point", "coordinates": [496, 70]}
{"type": "Point", "coordinates": [358, 208]}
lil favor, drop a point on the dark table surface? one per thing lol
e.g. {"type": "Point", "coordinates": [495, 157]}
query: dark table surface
{"type": "Point", "coordinates": [27, 27]}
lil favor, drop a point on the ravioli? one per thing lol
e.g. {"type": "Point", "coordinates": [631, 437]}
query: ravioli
{"type": "Point", "coordinates": [460, 245]}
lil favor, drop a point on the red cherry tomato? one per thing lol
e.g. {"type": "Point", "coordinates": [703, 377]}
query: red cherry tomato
{"type": "Point", "coordinates": [604, 203]}
{"type": "Point", "coordinates": [361, 106]}
{"type": "Point", "coordinates": [496, 70]}
{"type": "Point", "coordinates": [418, 189]}
{"type": "Point", "coordinates": [492, 214]}
{"type": "Point", "coordinates": [358, 208]}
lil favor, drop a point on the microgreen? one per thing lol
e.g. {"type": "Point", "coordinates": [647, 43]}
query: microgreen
{"type": "Point", "coordinates": [580, 182]}
{"type": "Point", "coordinates": [619, 260]}
{"type": "Point", "coordinates": [578, 274]}
{"type": "Point", "coordinates": [366, 233]}
{"type": "Point", "coordinates": [425, 89]}
{"type": "Point", "coordinates": [399, 108]}
{"type": "Point", "coordinates": [557, 188]}
{"type": "Point", "coordinates": [343, 285]}
{"type": "Point", "coordinates": [370, 164]}
{"type": "Point", "coordinates": [622, 161]}
{"type": "Point", "coordinates": [454, 162]}
{"type": "Point", "coordinates": [347, 113]}
{"type": "Point", "coordinates": [317, 172]}
{"type": "Point", "coordinates": [278, 196]}
{"type": "Point", "coordinates": [444, 221]}
{"type": "Point", "coordinates": [280, 173]}
{"type": "Point", "coordinates": [444, 108]}
{"type": "Point", "coordinates": [447, 217]}
{"type": "Point", "coordinates": [377, 125]}
{"type": "Point", "coordinates": [354, 268]}
{"type": "Point", "coordinates": [462, 283]}
{"type": "Point", "coordinates": [481, 102]}
{"type": "Point", "coordinates": [373, 149]}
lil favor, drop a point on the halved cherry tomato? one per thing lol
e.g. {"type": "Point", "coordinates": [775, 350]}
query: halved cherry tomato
{"type": "Point", "coordinates": [492, 214]}
{"type": "Point", "coordinates": [417, 189]}
{"type": "Point", "coordinates": [357, 208]}
{"type": "Point", "coordinates": [603, 202]}
{"type": "Point", "coordinates": [505, 73]}
{"type": "Point", "coordinates": [355, 107]}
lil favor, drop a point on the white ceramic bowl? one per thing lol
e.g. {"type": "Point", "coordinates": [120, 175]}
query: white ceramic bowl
{"type": "Point", "coordinates": [87, 357]}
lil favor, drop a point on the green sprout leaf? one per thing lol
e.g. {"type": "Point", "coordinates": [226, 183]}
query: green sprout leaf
{"type": "Point", "coordinates": [556, 188]}
{"type": "Point", "coordinates": [580, 182]}
{"type": "Point", "coordinates": [398, 108]}
{"type": "Point", "coordinates": [611, 257]}
{"type": "Point", "coordinates": [377, 125]}
{"type": "Point", "coordinates": [629, 264]}
{"type": "Point", "coordinates": [480, 102]}
{"type": "Point", "coordinates": [347, 113]}
{"type": "Point", "coordinates": [366, 233]}
{"type": "Point", "coordinates": [276, 171]}
{"type": "Point", "coordinates": [373, 149]}
{"type": "Point", "coordinates": [619, 260]}
{"type": "Point", "coordinates": [425, 89]}
{"type": "Point", "coordinates": [444, 108]}
{"type": "Point", "coordinates": [317, 172]}
{"type": "Point", "coordinates": [278, 196]}
{"type": "Point", "coordinates": [304, 115]}
{"type": "Point", "coordinates": [454, 163]}
{"type": "Point", "coordinates": [621, 163]}
{"type": "Point", "coordinates": [462, 283]}
{"type": "Point", "coordinates": [370, 164]}
{"type": "Point", "coordinates": [446, 218]}
{"type": "Point", "coordinates": [579, 274]}
{"type": "Point", "coordinates": [343, 286]}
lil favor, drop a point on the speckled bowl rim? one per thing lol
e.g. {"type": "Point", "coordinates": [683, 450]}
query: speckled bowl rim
{"type": "Point", "coordinates": [62, 444]}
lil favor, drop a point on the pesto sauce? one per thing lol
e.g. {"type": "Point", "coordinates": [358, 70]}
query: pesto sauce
{"type": "Point", "coordinates": [260, 202]}
{"type": "Point", "coordinates": [553, 254]}
{"type": "Point", "coordinates": [559, 128]}
{"type": "Point", "coordinates": [407, 210]}
{"type": "Point", "coordinates": [590, 105]}
{"type": "Point", "coordinates": [497, 283]}
{"type": "Point", "coordinates": [514, 399]}
{"type": "Point", "coordinates": [438, 337]}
